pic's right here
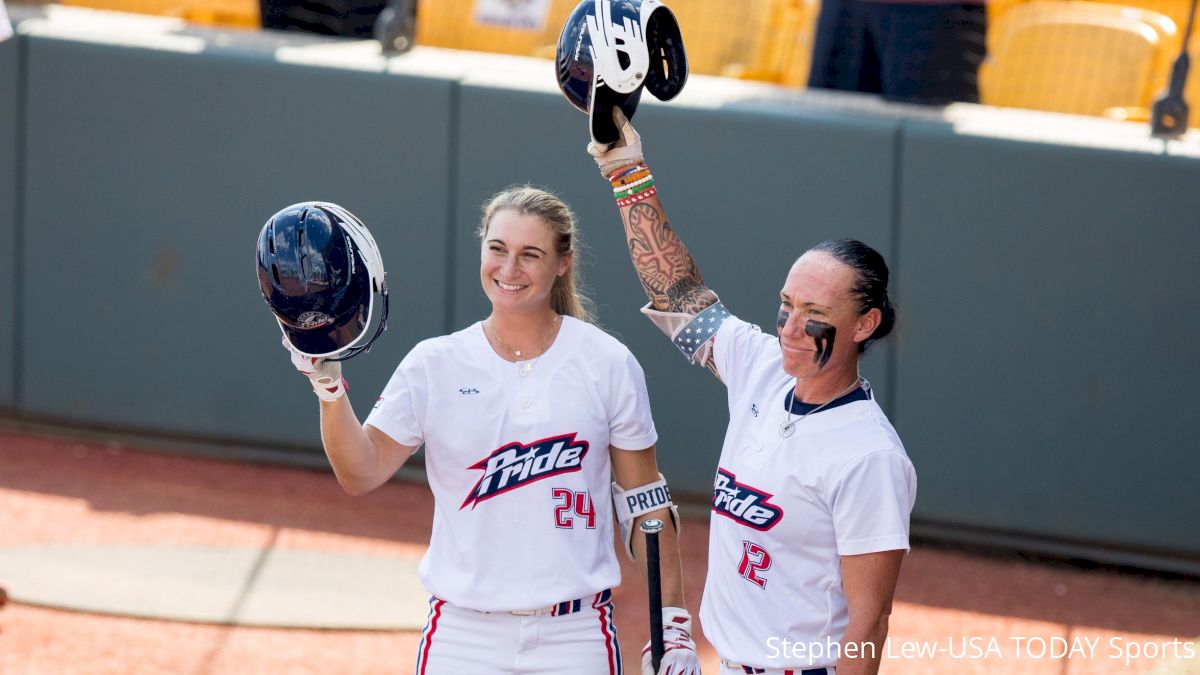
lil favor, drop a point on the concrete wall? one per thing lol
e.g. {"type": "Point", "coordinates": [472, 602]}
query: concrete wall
{"type": "Point", "coordinates": [143, 309]}
{"type": "Point", "coordinates": [10, 81]}
{"type": "Point", "coordinates": [1046, 360]}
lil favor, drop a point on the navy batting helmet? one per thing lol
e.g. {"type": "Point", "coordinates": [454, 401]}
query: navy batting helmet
{"type": "Point", "coordinates": [319, 270]}
{"type": "Point", "coordinates": [609, 50]}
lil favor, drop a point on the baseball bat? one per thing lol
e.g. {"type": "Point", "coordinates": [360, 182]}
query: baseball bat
{"type": "Point", "coordinates": [651, 528]}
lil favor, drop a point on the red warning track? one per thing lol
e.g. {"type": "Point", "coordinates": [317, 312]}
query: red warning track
{"type": "Point", "coordinates": [954, 612]}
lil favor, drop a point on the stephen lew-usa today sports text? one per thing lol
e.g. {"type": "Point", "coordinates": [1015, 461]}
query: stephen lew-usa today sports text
{"type": "Point", "coordinates": [979, 648]}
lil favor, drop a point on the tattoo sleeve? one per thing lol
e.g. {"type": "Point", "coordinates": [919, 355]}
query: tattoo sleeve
{"type": "Point", "coordinates": [666, 269]}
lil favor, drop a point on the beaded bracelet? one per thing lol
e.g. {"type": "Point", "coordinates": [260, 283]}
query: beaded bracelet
{"type": "Point", "coordinates": [620, 173]}
{"type": "Point", "coordinates": [631, 178]}
{"type": "Point", "coordinates": [634, 190]}
{"type": "Point", "coordinates": [633, 184]}
{"type": "Point", "coordinates": [629, 201]}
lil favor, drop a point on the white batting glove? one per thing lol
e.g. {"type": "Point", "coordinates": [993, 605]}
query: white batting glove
{"type": "Point", "coordinates": [679, 652]}
{"type": "Point", "coordinates": [325, 376]}
{"type": "Point", "coordinates": [626, 151]}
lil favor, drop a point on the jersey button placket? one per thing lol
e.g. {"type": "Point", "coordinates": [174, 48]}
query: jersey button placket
{"type": "Point", "coordinates": [523, 401]}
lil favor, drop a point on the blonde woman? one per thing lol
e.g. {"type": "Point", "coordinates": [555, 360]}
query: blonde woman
{"type": "Point", "coordinates": [527, 417]}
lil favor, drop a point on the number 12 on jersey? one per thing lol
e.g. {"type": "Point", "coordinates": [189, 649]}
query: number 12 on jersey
{"type": "Point", "coordinates": [570, 505]}
{"type": "Point", "coordinates": [755, 559]}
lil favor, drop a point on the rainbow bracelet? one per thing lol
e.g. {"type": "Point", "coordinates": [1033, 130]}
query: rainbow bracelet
{"type": "Point", "coordinates": [631, 179]}
{"type": "Point", "coordinates": [621, 173]}
{"type": "Point", "coordinates": [634, 184]}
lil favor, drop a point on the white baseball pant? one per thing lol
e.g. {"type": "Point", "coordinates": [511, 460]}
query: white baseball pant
{"type": "Point", "coordinates": [576, 636]}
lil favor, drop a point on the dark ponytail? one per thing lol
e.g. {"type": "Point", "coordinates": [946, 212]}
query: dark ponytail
{"type": "Point", "coordinates": [870, 282]}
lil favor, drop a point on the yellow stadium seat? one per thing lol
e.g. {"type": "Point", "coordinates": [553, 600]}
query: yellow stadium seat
{"type": "Point", "coordinates": [452, 24]}
{"type": "Point", "coordinates": [734, 39]}
{"type": "Point", "coordinates": [1162, 24]}
{"type": "Point", "coordinates": [796, 56]}
{"type": "Point", "coordinates": [998, 8]}
{"type": "Point", "coordinates": [227, 13]}
{"type": "Point", "coordinates": [1166, 28]}
{"type": "Point", "coordinates": [173, 8]}
{"type": "Point", "coordinates": [766, 40]}
{"type": "Point", "coordinates": [1072, 57]}
{"type": "Point", "coordinates": [1176, 10]}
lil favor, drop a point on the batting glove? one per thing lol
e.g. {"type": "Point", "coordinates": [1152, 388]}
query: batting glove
{"type": "Point", "coordinates": [626, 151]}
{"type": "Point", "coordinates": [325, 376]}
{"type": "Point", "coordinates": [679, 652]}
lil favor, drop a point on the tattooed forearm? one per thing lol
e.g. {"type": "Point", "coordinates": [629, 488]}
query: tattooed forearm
{"type": "Point", "coordinates": [690, 296]}
{"type": "Point", "coordinates": [667, 270]}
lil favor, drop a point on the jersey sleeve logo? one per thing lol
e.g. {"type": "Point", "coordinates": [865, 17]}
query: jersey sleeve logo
{"type": "Point", "coordinates": [516, 465]}
{"type": "Point", "coordinates": [744, 504]}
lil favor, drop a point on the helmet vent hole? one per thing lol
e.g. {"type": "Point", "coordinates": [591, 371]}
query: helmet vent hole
{"type": "Point", "coordinates": [300, 237]}
{"type": "Point", "coordinates": [275, 273]}
{"type": "Point", "coordinates": [271, 245]}
{"type": "Point", "coordinates": [623, 59]}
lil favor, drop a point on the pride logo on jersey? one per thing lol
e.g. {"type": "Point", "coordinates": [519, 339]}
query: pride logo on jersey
{"type": "Point", "coordinates": [743, 503]}
{"type": "Point", "coordinates": [515, 465]}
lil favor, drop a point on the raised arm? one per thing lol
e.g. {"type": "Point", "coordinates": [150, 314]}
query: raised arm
{"type": "Point", "coordinates": [666, 268]}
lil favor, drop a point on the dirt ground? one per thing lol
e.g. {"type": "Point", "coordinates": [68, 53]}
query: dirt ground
{"type": "Point", "coordinates": [955, 611]}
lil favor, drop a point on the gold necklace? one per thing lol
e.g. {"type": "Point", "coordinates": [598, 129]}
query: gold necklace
{"type": "Point", "coordinates": [527, 365]}
{"type": "Point", "coordinates": [788, 427]}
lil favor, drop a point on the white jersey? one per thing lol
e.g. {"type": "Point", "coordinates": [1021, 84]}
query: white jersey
{"type": "Point", "coordinates": [785, 509]}
{"type": "Point", "coordinates": [6, 29]}
{"type": "Point", "coordinates": [518, 462]}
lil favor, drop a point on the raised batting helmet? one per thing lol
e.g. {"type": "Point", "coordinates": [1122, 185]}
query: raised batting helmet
{"type": "Point", "coordinates": [319, 271]}
{"type": "Point", "coordinates": [609, 50]}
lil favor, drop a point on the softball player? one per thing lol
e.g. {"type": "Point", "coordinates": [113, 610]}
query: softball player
{"type": "Point", "coordinates": [521, 416]}
{"type": "Point", "coordinates": [813, 490]}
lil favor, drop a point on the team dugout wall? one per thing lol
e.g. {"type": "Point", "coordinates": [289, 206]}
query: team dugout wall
{"type": "Point", "coordinates": [148, 176]}
{"type": "Point", "coordinates": [9, 101]}
{"type": "Point", "coordinates": [1045, 373]}
{"type": "Point", "coordinates": [1044, 291]}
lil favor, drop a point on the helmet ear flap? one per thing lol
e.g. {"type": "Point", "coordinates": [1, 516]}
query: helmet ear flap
{"type": "Point", "coordinates": [668, 60]}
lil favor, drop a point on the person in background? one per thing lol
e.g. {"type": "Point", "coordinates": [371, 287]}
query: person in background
{"type": "Point", "coordinates": [911, 51]}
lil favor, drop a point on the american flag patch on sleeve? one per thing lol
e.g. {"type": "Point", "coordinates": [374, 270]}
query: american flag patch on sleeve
{"type": "Point", "coordinates": [700, 330]}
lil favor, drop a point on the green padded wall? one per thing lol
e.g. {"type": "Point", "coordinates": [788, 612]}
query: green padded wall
{"type": "Point", "coordinates": [9, 218]}
{"type": "Point", "coordinates": [1044, 380]}
{"type": "Point", "coordinates": [149, 176]}
{"type": "Point", "coordinates": [801, 178]}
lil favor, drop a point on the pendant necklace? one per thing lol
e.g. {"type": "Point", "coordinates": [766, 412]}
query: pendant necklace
{"type": "Point", "coordinates": [527, 364]}
{"type": "Point", "coordinates": [788, 426]}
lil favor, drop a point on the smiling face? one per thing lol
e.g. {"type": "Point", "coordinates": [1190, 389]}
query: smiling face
{"type": "Point", "coordinates": [819, 322]}
{"type": "Point", "coordinates": [518, 262]}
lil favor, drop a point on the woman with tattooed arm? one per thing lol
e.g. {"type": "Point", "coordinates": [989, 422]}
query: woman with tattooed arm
{"type": "Point", "coordinates": [816, 493]}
